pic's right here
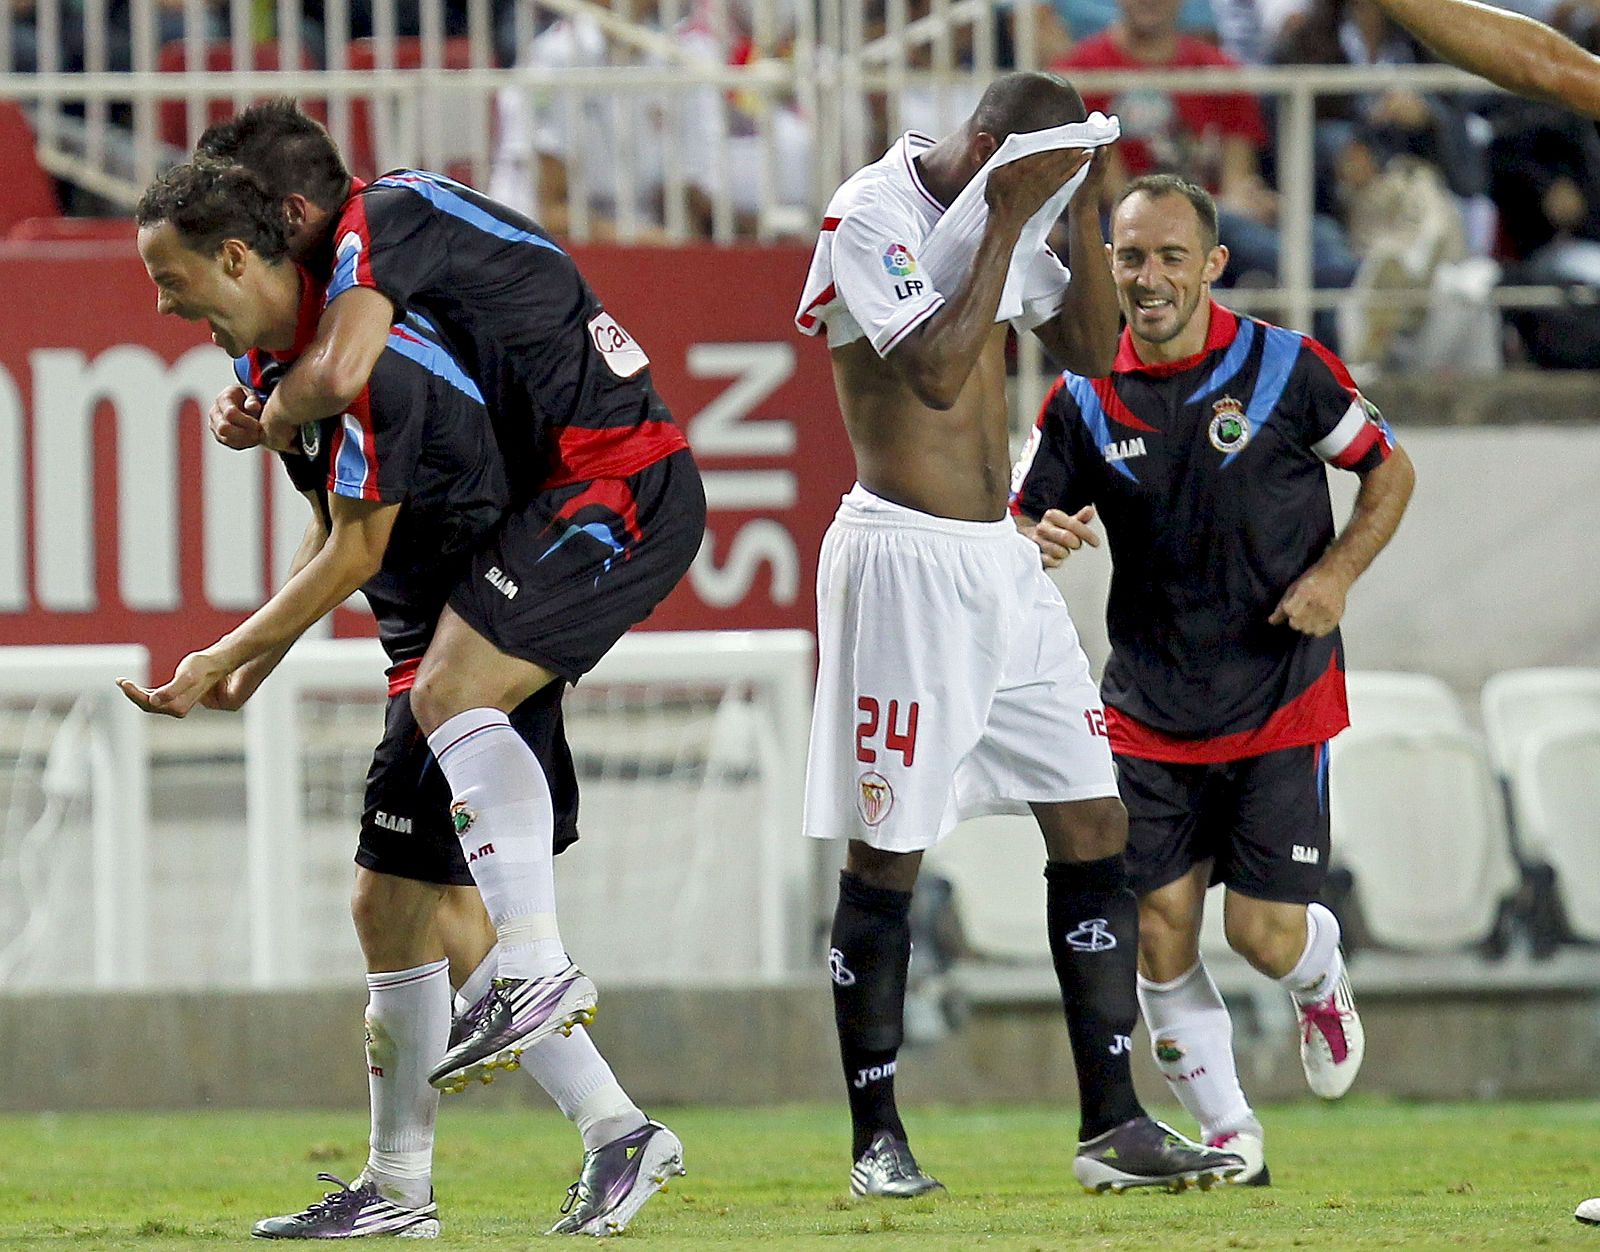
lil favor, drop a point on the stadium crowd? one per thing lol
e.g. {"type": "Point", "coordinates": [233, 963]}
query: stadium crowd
{"type": "Point", "coordinates": [1413, 191]}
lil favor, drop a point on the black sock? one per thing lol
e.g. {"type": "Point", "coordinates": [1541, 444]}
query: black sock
{"type": "Point", "coordinates": [871, 951]}
{"type": "Point", "coordinates": [1094, 942]}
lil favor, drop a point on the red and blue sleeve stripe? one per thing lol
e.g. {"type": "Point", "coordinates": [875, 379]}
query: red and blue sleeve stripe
{"type": "Point", "coordinates": [352, 265]}
{"type": "Point", "coordinates": [353, 458]}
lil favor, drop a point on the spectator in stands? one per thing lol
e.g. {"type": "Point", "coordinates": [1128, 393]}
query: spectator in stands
{"type": "Point", "coordinates": [1545, 180]}
{"type": "Point", "coordinates": [628, 140]}
{"type": "Point", "coordinates": [1081, 19]}
{"type": "Point", "coordinates": [1432, 128]}
{"type": "Point", "coordinates": [1214, 140]}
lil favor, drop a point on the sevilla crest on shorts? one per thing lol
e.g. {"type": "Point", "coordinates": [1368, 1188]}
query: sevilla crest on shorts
{"type": "Point", "coordinates": [875, 797]}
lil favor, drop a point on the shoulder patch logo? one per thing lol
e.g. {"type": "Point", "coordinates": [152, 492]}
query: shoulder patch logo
{"type": "Point", "coordinates": [1230, 429]}
{"type": "Point", "coordinates": [897, 259]}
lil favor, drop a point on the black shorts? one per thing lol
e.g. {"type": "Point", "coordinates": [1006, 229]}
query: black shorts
{"type": "Point", "coordinates": [1262, 821]}
{"type": "Point", "coordinates": [566, 577]}
{"type": "Point", "coordinates": [405, 824]}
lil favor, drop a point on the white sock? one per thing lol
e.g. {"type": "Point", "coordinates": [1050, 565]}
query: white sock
{"type": "Point", "coordinates": [577, 1078]}
{"type": "Point", "coordinates": [471, 991]}
{"type": "Point", "coordinates": [507, 826]}
{"type": "Point", "coordinates": [1191, 1036]}
{"type": "Point", "coordinates": [408, 1025]}
{"type": "Point", "coordinates": [1320, 966]}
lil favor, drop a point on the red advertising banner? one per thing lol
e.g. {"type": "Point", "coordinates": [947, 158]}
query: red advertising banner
{"type": "Point", "coordinates": [121, 521]}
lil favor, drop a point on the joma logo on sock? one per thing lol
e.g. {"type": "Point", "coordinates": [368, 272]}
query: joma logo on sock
{"type": "Point", "coordinates": [502, 582]}
{"type": "Point", "coordinates": [876, 1073]}
{"type": "Point", "coordinates": [1305, 855]}
{"type": "Point", "coordinates": [483, 851]}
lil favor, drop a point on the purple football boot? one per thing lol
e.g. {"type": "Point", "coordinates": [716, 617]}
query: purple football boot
{"type": "Point", "coordinates": [617, 1178]}
{"type": "Point", "coordinates": [513, 1014]}
{"type": "Point", "coordinates": [352, 1213]}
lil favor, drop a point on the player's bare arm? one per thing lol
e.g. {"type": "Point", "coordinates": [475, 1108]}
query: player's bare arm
{"type": "Point", "coordinates": [1508, 49]}
{"type": "Point", "coordinates": [330, 373]}
{"type": "Point", "coordinates": [937, 358]}
{"type": "Point", "coordinates": [351, 555]}
{"type": "Point", "coordinates": [1082, 337]}
{"type": "Point", "coordinates": [927, 423]}
{"type": "Point", "coordinates": [231, 694]}
{"type": "Point", "coordinates": [1059, 534]}
{"type": "Point", "coordinates": [1315, 601]}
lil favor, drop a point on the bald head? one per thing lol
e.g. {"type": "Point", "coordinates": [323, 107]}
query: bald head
{"type": "Point", "coordinates": [1026, 101]}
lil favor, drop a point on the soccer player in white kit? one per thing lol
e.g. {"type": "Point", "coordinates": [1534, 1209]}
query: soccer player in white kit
{"type": "Point", "coordinates": [950, 682]}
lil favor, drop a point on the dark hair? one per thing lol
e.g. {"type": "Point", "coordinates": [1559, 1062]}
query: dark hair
{"type": "Point", "coordinates": [290, 151]}
{"type": "Point", "coordinates": [1026, 101]}
{"type": "Point", "coordinates": [209, 201]}
{"type": "Point", "coordinates": [1157, 185]}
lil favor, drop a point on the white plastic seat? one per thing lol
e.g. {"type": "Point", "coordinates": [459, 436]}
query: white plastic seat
{"type": "Point", "coordinates": [1383, 699]}
{"type": "Point", "coordinates": [996, 870]}
{"type": "Point", "coordinates": [1519, 702]}
{"type": "Point", "coordinates": [1417, 818]}
{"type": "Point", "coordinates": [1555, 789]}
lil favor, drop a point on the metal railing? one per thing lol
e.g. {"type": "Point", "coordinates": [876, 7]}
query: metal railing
{"type": "Point", "coordinates": [747, 100]}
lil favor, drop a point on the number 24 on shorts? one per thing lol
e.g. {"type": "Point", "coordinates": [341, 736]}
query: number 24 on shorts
{"type": "Point", "coordinates": [895, 739]}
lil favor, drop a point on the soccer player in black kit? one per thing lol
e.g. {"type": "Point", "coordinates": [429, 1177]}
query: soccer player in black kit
{"type": "Point", "coordinates": [402, 489]}
{"type": "Point", "coordinates": [608, 513]}
{"type": "Point", "coordinates": [1204, 453]}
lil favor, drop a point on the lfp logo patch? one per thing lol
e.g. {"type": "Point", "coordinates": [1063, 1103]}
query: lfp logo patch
{"type": "Point", "coordinates": [897, 259]}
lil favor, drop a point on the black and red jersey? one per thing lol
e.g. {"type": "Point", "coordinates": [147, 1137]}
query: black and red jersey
{"type": "Point", "coordinates": [1209, 474]}
{"type": "Point", "coordinates": [417, 436]}
{"type": "Point", "coordinates": [568, 388]}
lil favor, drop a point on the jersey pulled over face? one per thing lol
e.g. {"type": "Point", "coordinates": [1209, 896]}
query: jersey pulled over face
{"type": "Point", "coordinates": [1210, 476]}
{"type": "Point", "coordinates": [567, 387]}
{"type": "Point", "coordinates": [868, 290]}
{"type": "Point", "coordinates": [417, 436]}
{"type": "Point", "coordinates": [865, 279]}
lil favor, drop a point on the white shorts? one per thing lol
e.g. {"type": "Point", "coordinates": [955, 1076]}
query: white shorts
{"type": "Point", "coordinates": [950, 680]}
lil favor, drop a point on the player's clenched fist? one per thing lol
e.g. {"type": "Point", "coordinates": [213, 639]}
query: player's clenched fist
{"type": "Point", "coordinates": [1017, 191]}
{"type": "Point", "coordinates": [234, 418]}
{"type": "Point", "coordinates": [1059, 534]}
{"type": "Point", "coordinates": [1313, 604]}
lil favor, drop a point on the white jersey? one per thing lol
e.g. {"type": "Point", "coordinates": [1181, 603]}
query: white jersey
{"type": "Point", "coordinates": [865, 279]}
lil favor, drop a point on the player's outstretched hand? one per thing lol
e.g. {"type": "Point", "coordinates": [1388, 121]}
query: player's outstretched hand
{"type": "Point", "coordinates": [197, 674]}
{"type": "Point", "coordinates": [235, 418]}
{"type": "Point", "coordinates": [1017, 191]}
{"type": "Point", "coordinates": [1313, 604]}
{"type": "Point", "coordinates": [1060, 534]}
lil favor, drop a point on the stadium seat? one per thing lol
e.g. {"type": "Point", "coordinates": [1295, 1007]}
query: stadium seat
{"type": "Point", "coordinates": [29, 192]}
{"type": "Point", "coordinates": [1382, 699]}
{"type": "Point", "coordinates": [1520, 702]}
{"type": "Point", "coordinates": [173, 114]}
{"type": "Point", "coordinates": [995, 866]}
{"type": "Point", "coordinates": [1555, 792]}
{"type": "Point", "coordinates": [1418, 818]}
{"type": "Point", "coordinates": [385, 129]}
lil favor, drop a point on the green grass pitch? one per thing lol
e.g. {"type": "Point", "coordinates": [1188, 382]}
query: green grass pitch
{"type": "Point", "coordinates": [1358, 1175]}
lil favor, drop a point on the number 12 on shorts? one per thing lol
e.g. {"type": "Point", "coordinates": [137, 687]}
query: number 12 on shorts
{"type": "Point", "coordinates": [894, 738]}
{"type": "Point", "coordinates": [1096, 720]}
